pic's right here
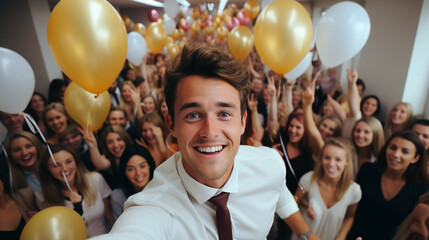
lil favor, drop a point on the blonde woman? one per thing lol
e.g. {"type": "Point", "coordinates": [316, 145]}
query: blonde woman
{"type": "Point", "coordinates": [85, 192]}
{"type": "Point", "coordinates": [25, 151]}
{"type": "Point", "coordinates": [56, 120]}
{"type": "Point", "coordinates": [130, 101]}
{"type": "Point", "coordinates": [400, 118]}
{"type": "Point", "coordinates": [332, 193]}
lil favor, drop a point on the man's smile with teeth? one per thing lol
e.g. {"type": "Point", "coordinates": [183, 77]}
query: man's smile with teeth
{"type": "Point", "coordinates": [209, 149]}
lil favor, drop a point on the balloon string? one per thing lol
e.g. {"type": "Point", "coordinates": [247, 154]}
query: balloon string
{"type": "Point", "coordinates": [279, 87]}
{"type": "Point", "coordinates": [316, 77]}
{"type": "Point", "coordinates": [35, 129]}
{"type": "Point", "coordinates": [10, 168]}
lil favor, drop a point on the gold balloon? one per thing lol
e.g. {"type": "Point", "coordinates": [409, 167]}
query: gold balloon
{"type": "Point", "coordinates": [209, 30]}
{"type": "Point", "coordinates": [222, 33]}
{"type": "Point", "coordinates": [90, 48]}
{"type": "Point", "coordinates": [251, 9]}
{"type": "Point", "coordinates": [156, 37]}
{"type": "Point", "coordinates": [182, 44]}
{"type": "Point", "coordinates": [169, 40]}
{"type": "Point", "coordinates": [173, 50]}
{"type": "Point", "coordinates": [240, 42]}
{"type": "Point", "coordinates": [283, 35]}
{"type": "Point", "coordinates": [176, 34]}
{"type": "Point", "coordinates": [55, 223]}
{"type": "Point", "coordinates": [127, 21]}
{"type": "Point", "coordinates": [140, 28]}
{"type": "Point", "coordinates": [195, 28]}
{"type": "Point", "coordinates": [86, 108]}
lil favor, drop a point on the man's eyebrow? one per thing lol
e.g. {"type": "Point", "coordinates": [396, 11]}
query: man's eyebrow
{"type": "Point", "coordinates": [226, 105]}
{"type": "Point", "coordinates": [189, 105]}
{"type": "Point", "coordinates": [196, 105]}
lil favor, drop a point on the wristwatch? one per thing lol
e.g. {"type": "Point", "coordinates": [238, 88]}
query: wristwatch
{"type": "Point", "coordinates": [305, 235]}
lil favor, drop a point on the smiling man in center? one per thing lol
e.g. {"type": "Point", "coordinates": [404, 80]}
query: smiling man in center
{"type": "Point", "coordinates": [206, 92]}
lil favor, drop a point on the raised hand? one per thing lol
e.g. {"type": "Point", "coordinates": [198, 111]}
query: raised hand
{"type": "Point", "coordinates": [352, 76]}
{"type": "Point", "coordinates": [271, 86]}
{"type": "Point", "coordinates": [88, 136]}
{"type": "Point", "coordinates": [252, 102]}
{"type": "Point", "coordinates": [308, 96]}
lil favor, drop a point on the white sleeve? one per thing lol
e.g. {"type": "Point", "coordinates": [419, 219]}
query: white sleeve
{"type": "Point", "coordinates": [101, 185]}
{"type": "Point", "coordinates": [305, 181]}
{"type": "Point", "coordinates": [286, 205]}
{"type": "Point", "coordinates": [142, 222]}
{"type": "Point", "coordinates": [357, 193]}
{"type": "Point", "coordinates": [117, 201]}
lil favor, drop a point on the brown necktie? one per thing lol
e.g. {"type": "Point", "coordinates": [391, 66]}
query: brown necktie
{"type": "Point", "coordinates": [223, 218]}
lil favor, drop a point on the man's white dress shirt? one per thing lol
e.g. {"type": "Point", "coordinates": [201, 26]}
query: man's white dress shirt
{"type": "Point", "coordinates": [174, 205]}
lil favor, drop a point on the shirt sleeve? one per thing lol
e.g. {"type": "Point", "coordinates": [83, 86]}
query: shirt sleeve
{"type": "Point", "coordinates": [305, 181]}
{"type": "Point", "coordinates": [117, 200]}
{"type": "Point", "coordinates": [101, 184]}
{"type": "Point", "coordinates": [141, 222]}
{"type": "Point", "coordinates": [357, 193]}
{"type": "Point", "coordinates": [286, 205]}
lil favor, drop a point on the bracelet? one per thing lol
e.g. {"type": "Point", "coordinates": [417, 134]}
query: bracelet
{"type": "Point", "coordinates": [305, 235]}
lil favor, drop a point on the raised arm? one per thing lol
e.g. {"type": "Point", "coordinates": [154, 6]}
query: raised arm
{"type": "Point", "coordinates": [338, 110]}
{"type": "Point", "coordinates": [315, 140]}
{"type": "Point", "coordinates": [258, 130]}
{"type": "Point", "coordinates": [100, 162]}
{"type": "Point", "coordinates": [287, 101]}
{"type": "Point", "coordinates": [272, 121]}
{"type": "Point", "coordinates": [353, 94]}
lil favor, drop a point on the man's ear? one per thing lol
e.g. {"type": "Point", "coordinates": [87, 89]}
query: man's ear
{"type": "Point", "coordinates": [243, 122]}
{"type": "Point", "coordinates": [170, 125]}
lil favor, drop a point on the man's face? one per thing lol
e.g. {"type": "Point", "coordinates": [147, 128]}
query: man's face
{"type": "Point", "coordinates": [208, 126]}
{"type": "Point", "coordinates": [13, 122]}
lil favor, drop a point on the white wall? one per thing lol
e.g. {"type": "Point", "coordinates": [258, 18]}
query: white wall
{"type": "Point", "coordinates": [417, 84]}
{"type": "Point", "coordinates": [385, 59]}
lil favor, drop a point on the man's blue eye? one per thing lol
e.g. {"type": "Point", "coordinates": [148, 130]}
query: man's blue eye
{"type": "Point", "coordinates": [225, 114]}
{"type": "Point", "coordinates": [192, 115]}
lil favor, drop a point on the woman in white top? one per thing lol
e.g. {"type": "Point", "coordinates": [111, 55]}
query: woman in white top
{"type": "Point", "coordinates": [85, 192]}
{"type": "Point", "coordinates": [333, 196]}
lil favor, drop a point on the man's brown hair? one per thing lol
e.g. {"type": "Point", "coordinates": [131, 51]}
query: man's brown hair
{"type": "Point", "coordinates": [209, 62]}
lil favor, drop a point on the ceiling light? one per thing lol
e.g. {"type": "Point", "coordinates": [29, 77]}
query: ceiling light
{"type": "Point", "coordinates": [150, 3]}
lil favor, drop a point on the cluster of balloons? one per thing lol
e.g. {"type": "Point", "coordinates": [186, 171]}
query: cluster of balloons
{"type": "Point", "coordinates": [341, 33]}
{"type": "Point", "coordinates": [92, 62]}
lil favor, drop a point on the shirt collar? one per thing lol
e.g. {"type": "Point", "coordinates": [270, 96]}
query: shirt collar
{"type": "Point", "coordinates": [201, 192]}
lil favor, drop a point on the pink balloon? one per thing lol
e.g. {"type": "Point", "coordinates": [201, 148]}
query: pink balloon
{"type": "Point", "coordinates": [243, 19]}
{"type": "Point", "coordinates": [153, 15]}
{"type": "Point", "coordinates": [232, 23]}
{"type": "Point", "coordinates": [184, 25]}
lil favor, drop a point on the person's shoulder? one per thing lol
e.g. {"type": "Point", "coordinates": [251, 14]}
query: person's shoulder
{"type": "Point", "coordinates": [94, 176]}
{"type": "Point", "coordinates": [250, 152]}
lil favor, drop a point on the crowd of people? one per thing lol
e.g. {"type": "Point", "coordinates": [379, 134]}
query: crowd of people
{"type": "Point", "coordinates": [352, 173]}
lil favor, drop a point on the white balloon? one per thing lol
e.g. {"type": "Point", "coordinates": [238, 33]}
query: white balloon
{"type": "Point", "coordinates": [265, 3]}
{"type": "Point", "coordinates": [171, 7]}
{"type": "Point", "coordinates": [170, 25]}
{"type": "Point", "coordinates": [16, 82]}
{"type": "Point", "coordinates": [189, 19]}
{"type": "Point", "coordinates": [137, 48]}
{"type": "Point", "coordinates": [299, 69]}
{"type": "Point", "coordinates": [342, 32]}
